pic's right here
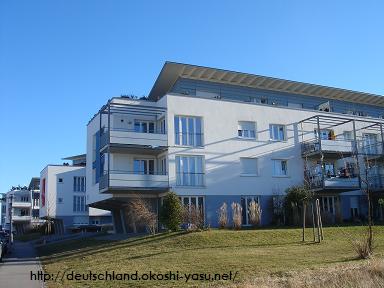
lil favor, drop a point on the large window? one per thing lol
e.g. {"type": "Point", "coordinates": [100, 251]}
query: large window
{"type": "Point", "coordinates": [79, 184]}
{"type": "Point", "coordinates": [245, 201]}
{"type": "Point", "coordinates": [248, 166]}
{"type": "Point", "coordinates": [277, 132]}
{"type": "Point", "coordinates": [144, 166]}
{"type": "Point", "coordinates": [280, 167]}
{"type": "Point", "coordinates": [328, 204]}
{"type": "Point", "coordinates": [189, 171]}
{"type": "Point", "coordinates": [79, 204]}
{"type": "Point", "coordinates": [246, 129]}
{"type": "Point", "coordinates": [142, 126]}
{"type": "Point", "coordinates": [188, 131]}
{"type": "Point", "coordinates": [197, 201]}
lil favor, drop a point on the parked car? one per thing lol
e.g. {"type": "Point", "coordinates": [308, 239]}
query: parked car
{"type": "Point", "coordinates": [1, 250]}
{"type": "Point", "coordinates": [6, 242]}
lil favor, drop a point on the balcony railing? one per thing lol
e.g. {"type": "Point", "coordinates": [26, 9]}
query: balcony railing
{"type": "Point", "coordinates": [21, 218]}
{"type": "Point", "coordinates": [120, 179]}
{"type": "Point", "coordinates": [370, 149]}
{"type": "Point", "coordinates": [190, 179]}
{"type": "Point", "coordinates": [331, 146]}
{"type": "Point", "coordinates": [21, 204]}
{"type": "Point", "coordinates": [336, 182]}
{"type": "Point", "coordinates": [132, 137]}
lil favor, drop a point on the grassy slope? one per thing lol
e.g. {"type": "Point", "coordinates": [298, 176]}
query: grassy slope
{"type": "Point", "coordinates": [251, 252]}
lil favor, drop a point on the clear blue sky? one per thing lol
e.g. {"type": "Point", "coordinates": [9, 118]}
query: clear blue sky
{"type": "Point", "coordinates": [61, 60]}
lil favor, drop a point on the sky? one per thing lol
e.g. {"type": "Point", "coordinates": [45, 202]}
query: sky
{"type": "Point", "coordinates": [60, 61]}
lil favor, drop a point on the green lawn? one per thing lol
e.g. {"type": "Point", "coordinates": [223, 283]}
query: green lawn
{"type": "Point", "coordinates": [250, 252]}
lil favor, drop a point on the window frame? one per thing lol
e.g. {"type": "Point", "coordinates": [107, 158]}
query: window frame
{"type": "Point", "coordinates": [242, 174]}
{"type": "Point", "coordinates": [272, 132]}
{"type": "Point", "coordinates": [281, 168]}
{"type": "Point", "coordinates": [186, 180]}
{"type": "Point", "coordinates": [187, 138]}
{"type": "Point", "coordinates": [249, 131]}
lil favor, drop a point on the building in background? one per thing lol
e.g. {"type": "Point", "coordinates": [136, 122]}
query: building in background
{"type": "Point", "coordinates": [63, 196]}
{"type": "Point", "coordinates": [3, 208]}
{"type": "Point", "coordinates": [216, 136]}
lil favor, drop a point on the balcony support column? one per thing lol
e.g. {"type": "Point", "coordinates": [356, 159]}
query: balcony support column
{"type": "Point", "coordinates": [321, 153]}
{"type": "Point", "coordinates": [382, 138]}
{"type": "Point", "coordinates": [355, 151]}
{"type": "Point", "coordinates": [123, 222]}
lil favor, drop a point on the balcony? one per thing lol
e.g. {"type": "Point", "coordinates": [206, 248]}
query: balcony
{"type": "Point", "coordinates": [131, 181]}
{"type": "Point", "coordinates": [124, 138]}
{"type": "Point", "coordinates": [335, 148]}
{"type": "Point", "coordinates": [20, 218]}
{"type": "Point", "coordinates": [340, 184]}
{"type": "Point", "coordinates": [21, 204]}
{"type": "Point", "coordinates": [371, 150]}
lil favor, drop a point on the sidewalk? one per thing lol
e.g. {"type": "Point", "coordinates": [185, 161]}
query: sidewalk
{"type": "Point", "coordinates": [15, 270]}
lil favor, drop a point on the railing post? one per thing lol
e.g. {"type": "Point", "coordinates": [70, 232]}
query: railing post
{"type": "Point", "coordinates": [321, 153]}
{"type": "Point", "coordinates": [355, 147]}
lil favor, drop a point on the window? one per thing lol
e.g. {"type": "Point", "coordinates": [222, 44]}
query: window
{"type": "Point", "coordinates": [245, 201]}
{"type": "Point", "coordinates": [295, 105]}
{"type": "Point", "coordinates": [79, 184]}
{"type": "Point", "coordinates": [43, 192]}
{"type": "Point", "coordinates": [79, 204]}
{"type": "Point", "coordinates": [277, 132]}
{"type": "Point", "coordinates": [206, 94]}
{"type": "Point", "coordinates": [60, 200]}
{"type": "Point", "coordinates": [144, 166]}
{"type": "Point", "coordinates": [144, 126]}
{"type": "Point", "coordinates": [248, 166]}
{"type": "Point", "coordinates": [162, 126]}
{"type": "Point", "coordinates": [354, 203]}
{"type": "Point", "coordinates": [370, 143]}
{"type": "Point", "coordinates": [327, 204]}
{"type": "Point", "coordinates": [264, 100]}
{"type": "Point", "coordinates": [246, 130]}
{"type": "Point", "coordinates": [280, 167]}
{"type": "Point", "coordinates": [348, 135]}
{"type": "Point", "coordinates": [162, 163]}
{"type": "Point", "coordinates": [60, 180]}
{"type": "Point", "coordinates": [197, 201]}
{"type": "Point", "coordinates": [188, 131]}
{"type": "Point", "coordinates": [189, 171]}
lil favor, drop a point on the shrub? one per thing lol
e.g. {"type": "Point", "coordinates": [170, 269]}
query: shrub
{"type": "Point", "coordinates": [171, 212]}
{"type": "Point", "coordinates": [362, 246]}
{"type": "Point", "coordinates": [141, 213]}
{"type": "Point", "coordinates": [254, 210]}
{"type": "Point", "coordinates": [295, 197]}
{"type": "Point", "coordinates": [222, 214]}
{"type": "Point", "coordinates": [236, 215]}
{"type": "Point", "coordinates": [193, 217]}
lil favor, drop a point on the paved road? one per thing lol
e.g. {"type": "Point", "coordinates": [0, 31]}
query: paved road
{"type": "Point", "coordinates": [15, 270]}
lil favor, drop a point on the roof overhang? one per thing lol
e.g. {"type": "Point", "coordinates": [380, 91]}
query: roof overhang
{"type": "Point", "coordinates": [172, 71]}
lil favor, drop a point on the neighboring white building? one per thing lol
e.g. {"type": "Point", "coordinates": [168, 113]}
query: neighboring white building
{"type": "Point", "coordinates": [216, 136]}
{"type": "Point", "coordinates": [3, 207]}
{"type": "Point", "coordinates": [63, 196]}
{"type": "Point", "coordinates": [20, 207]}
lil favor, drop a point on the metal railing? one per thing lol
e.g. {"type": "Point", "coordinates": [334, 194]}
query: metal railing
{"type": "Point", "coordinates": [190, 179]}
{"type": "Point", "coordinates": [189, 139]}
{"type": "Point", "coordinates": [336, 146]}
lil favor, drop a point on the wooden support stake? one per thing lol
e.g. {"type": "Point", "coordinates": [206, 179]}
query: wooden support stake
{"type": "Point", "coordinates": [313, 223]}
{"type": "Point", "coordinates": [304, 209]}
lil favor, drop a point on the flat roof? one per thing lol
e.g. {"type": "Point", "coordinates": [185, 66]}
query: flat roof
{"type": "Point", "coordinates": [172, 71]}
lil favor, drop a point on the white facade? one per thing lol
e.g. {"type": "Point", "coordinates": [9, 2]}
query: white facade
{"type": "Point", "coordinates": [63, 195]}
{"type": "Point", "coordinates": [211, 150]}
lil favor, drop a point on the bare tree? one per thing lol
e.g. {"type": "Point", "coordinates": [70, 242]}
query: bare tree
{"type": "Point", "coordinates": [140, 212]}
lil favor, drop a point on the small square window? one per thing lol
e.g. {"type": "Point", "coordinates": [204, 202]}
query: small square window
{"type": "Point", "coordinates": [60, 180]}
{"type": "Point", "coordinates": [59, 200]}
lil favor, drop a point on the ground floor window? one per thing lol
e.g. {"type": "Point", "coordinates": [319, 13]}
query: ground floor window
{"type": "Point", "coordinates": [245, 201]}
{"type": "Point", "coordinates": [354, 204]}
{"type": "Point", "coordinates": [194, 209]}
{"type": "Point", "coordinates": [328, 204]}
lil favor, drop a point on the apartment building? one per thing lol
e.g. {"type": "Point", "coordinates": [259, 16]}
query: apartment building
{"type": "Point", "coordinates": [3, 208]}
{"type": "Point", "coordinates": [63, 196]}
{"type": "Point", "coordinates": [215, 136]}
{"type": "Point", "coordinates": [20, 207]}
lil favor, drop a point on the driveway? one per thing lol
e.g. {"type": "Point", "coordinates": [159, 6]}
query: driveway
{"type": "Point", "coordinates": [16, 268]}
